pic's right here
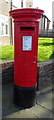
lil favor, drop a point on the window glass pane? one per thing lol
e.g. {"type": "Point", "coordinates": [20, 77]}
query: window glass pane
{"type": "Point", "coordinates": [6, 27]}
{"type": "Point", "coordinates": [2, 29]}
{"type": "Point", "coordinates": [21, 3]}
{"type": "Point", "coordinates": [21, 0]}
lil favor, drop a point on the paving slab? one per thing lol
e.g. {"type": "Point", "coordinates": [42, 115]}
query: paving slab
{"type": "Point", "coordinates": [26, 113]}
{"type": "Point", "coordinates": [45, 98]}
{"type": "Point", "coordinates": [41, 112]}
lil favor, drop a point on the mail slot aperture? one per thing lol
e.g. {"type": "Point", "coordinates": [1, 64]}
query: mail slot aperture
{"type": "Point", "coordinates": [27, 28]}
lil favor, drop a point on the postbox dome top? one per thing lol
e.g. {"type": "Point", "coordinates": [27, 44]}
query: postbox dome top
{"type": "Point", "coordinates": [26, 12]}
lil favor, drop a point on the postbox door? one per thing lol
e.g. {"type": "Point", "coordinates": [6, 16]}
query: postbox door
{"type": "Point", "coordinates": [26, 57]}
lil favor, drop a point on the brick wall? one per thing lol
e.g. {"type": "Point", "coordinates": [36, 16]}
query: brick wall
{"type": "Point", "coordinates": [45, 73]}
{"type": "Point", "coordinates": [7, 71]}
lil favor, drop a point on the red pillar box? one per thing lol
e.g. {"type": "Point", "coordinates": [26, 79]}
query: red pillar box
{"type": "Point", "coordinates": [26, 22]}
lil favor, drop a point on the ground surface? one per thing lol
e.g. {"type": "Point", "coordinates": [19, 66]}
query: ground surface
{"type": "Point", "coordinates": [42, 108]}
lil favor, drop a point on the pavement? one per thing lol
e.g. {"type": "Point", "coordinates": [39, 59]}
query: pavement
{"type": "Point", "coordinates": [43, 107]}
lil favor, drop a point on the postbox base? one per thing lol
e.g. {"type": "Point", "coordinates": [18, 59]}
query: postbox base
{"type": "Point", "coordinates": [24, 96]}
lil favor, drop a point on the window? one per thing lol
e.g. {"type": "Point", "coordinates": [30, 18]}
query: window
{"type": "Point", "coordinates": [3, 25]}
{"type": "Point", "coordinates": [21, 3]}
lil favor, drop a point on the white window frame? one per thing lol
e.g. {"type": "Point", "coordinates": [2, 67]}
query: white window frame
{"type": "Point", "coordinates": [3, 20]}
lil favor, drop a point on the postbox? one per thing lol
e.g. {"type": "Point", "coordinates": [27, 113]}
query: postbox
{"type": "Point", "coordinates": [26, 25]}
